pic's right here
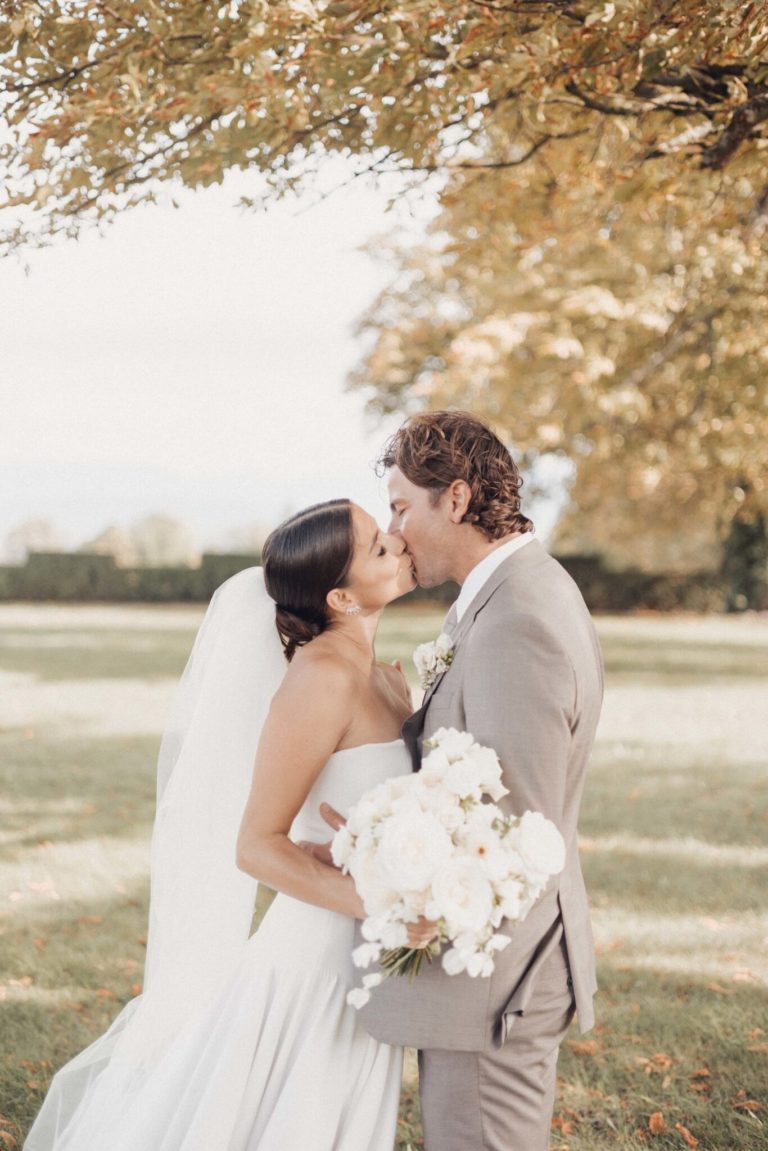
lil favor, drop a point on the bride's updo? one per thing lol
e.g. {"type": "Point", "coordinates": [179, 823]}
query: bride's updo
{"type": "Point", "coordinates": [303, 559]}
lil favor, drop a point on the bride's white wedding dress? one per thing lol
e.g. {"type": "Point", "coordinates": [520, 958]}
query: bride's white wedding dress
{"type": "Point", "coordinates": [279, 1062]}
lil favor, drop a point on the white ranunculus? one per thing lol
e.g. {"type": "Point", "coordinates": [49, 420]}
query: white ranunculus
{"type": "Point", "coordinates": [394, 935]}
{"type": "Point", "coordinates": [479, 964]}
{"type": "Point", "coordinates": [358, 997]}
{"type": "Point", "coordinates": [540, 844]}
{"type": "Point", "coordinates": [463, 779]}
{"type": "Point", "coordinates": [463, 895]}
{"type": "Point", "coordinates": [454, 962]}
{"type": "Point", "coordinates": [511, 893]}
{"type": "Point", "coordinates": [413, 847]}
{"type": "Point", "coordinates": [372, 980]}
{"type": "Point", "coordinates": [489, 770]}
{"type": "Point", "coordinates": [498, 943]}
{"type": "Point", "coordinates": [366, 954]}
{"type": "Point", "coordinates": [454, 744]}
{"type": "Point", "coordinates": [433, 765]}
{"type": "Point", "coordinates": [341, 847]}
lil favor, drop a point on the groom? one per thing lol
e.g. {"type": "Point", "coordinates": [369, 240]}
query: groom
{"type": "Point", "coordinates": [525, 679]}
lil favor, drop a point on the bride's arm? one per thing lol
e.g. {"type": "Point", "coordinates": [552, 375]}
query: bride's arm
{"type": "Point", "coordinates": [307, 720]}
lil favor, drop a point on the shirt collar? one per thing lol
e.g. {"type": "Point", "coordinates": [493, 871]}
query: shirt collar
{"type": "Point", "coordinates": [483, 571]}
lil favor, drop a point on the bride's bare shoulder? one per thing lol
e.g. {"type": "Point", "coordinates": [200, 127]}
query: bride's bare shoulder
{"type": "Point", "coordinates": [316, 664]}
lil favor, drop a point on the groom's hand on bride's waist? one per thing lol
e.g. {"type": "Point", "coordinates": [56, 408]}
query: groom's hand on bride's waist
{"type": "Point", "coordinates": [322, 851]}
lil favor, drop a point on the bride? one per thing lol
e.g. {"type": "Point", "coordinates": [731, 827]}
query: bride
{"type": "Point", "coordinates": [238, 1043]}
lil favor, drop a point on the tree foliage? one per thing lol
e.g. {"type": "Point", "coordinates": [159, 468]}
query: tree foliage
{"type": "Point", "coordinates": [105, 99]}
{"type": "Point", "coordinates": [596, 279]}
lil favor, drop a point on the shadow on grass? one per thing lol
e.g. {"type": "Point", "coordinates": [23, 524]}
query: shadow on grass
{"type": "Point", "coordinates": [647, 791]}
{"type": "Point", "coordinates": [71, 790]}
{"type": "Point", "coordinates": [655, 660]}
{"type": "Point", "coordinates": [97, 654]}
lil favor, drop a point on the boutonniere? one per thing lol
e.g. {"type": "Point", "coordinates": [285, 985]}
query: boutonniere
{"type": "Point", "coordinates": [433, 659]}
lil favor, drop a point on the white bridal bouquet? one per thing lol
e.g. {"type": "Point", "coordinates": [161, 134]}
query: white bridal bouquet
{"type": "Point", "coordinates": [431, 844]}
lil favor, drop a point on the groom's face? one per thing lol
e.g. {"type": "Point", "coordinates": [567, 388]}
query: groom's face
{"type": "Point", "coordinates": [424, 525]}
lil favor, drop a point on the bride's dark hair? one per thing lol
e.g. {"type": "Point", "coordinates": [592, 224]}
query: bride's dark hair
{"type": "Point", "coordinates": [303, 559]}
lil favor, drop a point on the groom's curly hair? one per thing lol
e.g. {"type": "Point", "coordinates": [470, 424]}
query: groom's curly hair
{"type": "Point", "coordinates": [433, 449]}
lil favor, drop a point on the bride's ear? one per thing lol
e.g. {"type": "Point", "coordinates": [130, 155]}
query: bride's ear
{"type": "Point", "coordinates": [339, 600]}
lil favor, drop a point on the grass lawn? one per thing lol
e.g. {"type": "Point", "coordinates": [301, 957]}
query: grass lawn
{"type": "Point", "coordinates": [675, 849]}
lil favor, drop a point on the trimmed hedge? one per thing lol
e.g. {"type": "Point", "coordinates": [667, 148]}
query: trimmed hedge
{"type": "Point", "coordinates": [86, 577]}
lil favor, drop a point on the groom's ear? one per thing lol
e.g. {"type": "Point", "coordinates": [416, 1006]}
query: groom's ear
{"type": "Point", "coordinates": [459, 496]}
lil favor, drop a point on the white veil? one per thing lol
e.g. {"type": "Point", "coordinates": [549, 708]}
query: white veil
{"type": "Point", "coordinates": [201, 905]}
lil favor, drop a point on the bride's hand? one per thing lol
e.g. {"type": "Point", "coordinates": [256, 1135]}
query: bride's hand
{"type": "Point", "coordinates": [421, 933]}
{"type": "Point", "coordinates": [319, 851]}
{"type": "Point", "coordinates": [322, 851]}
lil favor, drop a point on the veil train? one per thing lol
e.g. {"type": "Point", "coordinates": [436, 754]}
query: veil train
{"type": "Point", "coordinates": [201, 905]}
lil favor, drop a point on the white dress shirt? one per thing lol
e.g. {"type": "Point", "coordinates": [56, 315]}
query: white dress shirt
{"type": "Point", "coordinates": [483, 571]}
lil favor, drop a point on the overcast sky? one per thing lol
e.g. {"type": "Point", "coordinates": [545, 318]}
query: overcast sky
{"type": "Point", "coordinates": [192, 362]}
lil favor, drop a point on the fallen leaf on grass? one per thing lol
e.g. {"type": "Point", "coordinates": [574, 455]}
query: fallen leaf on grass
{"type": "Point", "coordinates": [564, 1126]}
{"type": "Point", "coordinates": [700, 1080]}
{"type": "Point", "coordinates": [91, 919]}
{"type": "Point", "coordinates": [741, 1103]}
{"type": "Point", "coordinates": [8, 1140]}
{"type": "Point", "coordinates": [718, 989]}
{"type": "Point", "coordinates": [688, 1139]}
{"type": "Point", "coordinates": [657, 1123]}
{"type": "Point", "coordinates": [758, 1048]}
{"type": "Point", "coordinates": [587, 1047]}
{"type": "Point", "coordinates": [656, 1064]}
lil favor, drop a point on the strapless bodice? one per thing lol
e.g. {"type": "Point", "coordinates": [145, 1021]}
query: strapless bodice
{"type": "Point", "coordinates": [347, 775]}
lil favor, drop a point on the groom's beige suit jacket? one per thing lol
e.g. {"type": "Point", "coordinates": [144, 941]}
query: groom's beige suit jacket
{"type": "Point", "coordinates": [527, 680]}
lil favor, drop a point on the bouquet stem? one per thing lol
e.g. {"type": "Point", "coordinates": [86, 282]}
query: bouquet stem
{"type": "Point", "coordinates": [408, 960]}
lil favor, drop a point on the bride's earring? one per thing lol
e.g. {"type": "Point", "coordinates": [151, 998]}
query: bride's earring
{"type": "Point", "coordinates": [354, 609]}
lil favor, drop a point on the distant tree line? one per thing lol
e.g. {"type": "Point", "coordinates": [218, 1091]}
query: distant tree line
{"type": "Point", "coordinates": [80, 577]}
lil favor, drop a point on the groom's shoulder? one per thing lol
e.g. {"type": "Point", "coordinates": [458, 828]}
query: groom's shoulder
{"type": "Point", "coordinates": [538, 590]}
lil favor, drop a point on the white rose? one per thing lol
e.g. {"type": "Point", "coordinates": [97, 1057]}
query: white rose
{"type": "Point", "coordinates": [482, 844]}
{"type": "Point", "coordinates": [443, 646]}
{"type": "Point", "coordinates": [373, 980]}
{"type": "Point", "coordinates": [540, 844]}
{"type": "Point", "coordinates": [424, 659]}
{"type": "Point", "coordinates": [463, 895]}
{"type": "Point", "coordinates": [413, 847]}
{"type": "Point", "coordinates": [377, 895]}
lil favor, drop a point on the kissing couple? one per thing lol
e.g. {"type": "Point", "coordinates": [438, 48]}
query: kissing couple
{"type": "Point", "coordinates": [283, 720]}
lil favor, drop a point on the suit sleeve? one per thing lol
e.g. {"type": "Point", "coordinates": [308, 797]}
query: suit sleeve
{"type": "Point", "coordinates": [519, 694]}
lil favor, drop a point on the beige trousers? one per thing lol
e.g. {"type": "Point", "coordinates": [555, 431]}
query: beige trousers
{"type": "Point", "coordinates": [502, 1099]}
